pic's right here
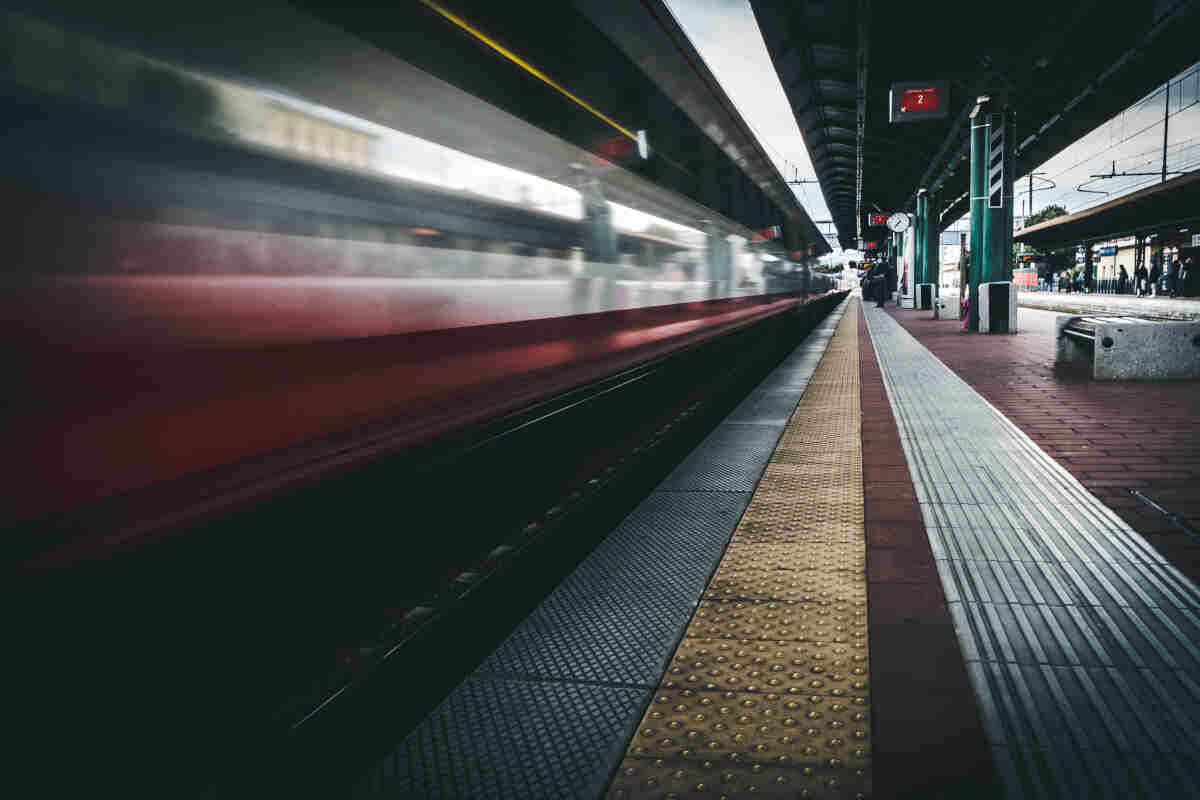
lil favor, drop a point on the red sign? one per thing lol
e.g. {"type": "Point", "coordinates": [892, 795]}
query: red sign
{"type": "Point", "coordinates": [615, 147]}
{"type": "Point", "coordinates": [872, 245]}
{"type": "Point", "coordinates": [878, 219]}
{"type": "Point", "coordinates": [920, 100]}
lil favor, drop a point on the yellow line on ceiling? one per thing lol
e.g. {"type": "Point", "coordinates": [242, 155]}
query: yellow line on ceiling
{"type": "Point", "coordinates": [525, 65]}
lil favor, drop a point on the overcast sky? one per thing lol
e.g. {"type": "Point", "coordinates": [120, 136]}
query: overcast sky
{"type": "Point", "coordinates": [727, 37]}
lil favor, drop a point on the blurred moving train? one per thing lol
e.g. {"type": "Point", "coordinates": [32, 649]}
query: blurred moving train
{"type": "Point", "coordinates": [212, 279]}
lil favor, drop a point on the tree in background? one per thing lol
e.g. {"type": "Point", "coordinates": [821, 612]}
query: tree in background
{"type": "Point", "coordinates": [1049, 212]}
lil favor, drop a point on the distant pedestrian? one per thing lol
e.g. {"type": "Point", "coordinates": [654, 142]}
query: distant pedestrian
{"type": "Point", "coordinates": [1185, 277]}
{"type": "Point", "coordinates": [1173, 278]}
{"type": "Point", "coordinates": [1155, 277]}
{"type": "Point", "coordinates": [1141, 278]}
{"type": "Point", "coordinates": [878, 278]}
{"type": "Point", "coordinates": [1123, 281]}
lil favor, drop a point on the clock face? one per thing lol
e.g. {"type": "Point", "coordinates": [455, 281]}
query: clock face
{"type": "Point", "coordinates": [898, 222]}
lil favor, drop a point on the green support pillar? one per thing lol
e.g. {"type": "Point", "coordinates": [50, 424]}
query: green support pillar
{"type": "Point", "coordinates": [933, 257]}
{"type": "Point", "coordinates": [718, 261]}
{"type": "Point", "coordinates": [918, 276]}
{"type": "Point", "coordinates": [599, 236]}
{"type": "Point", "coordinates": [926, 250]}
{"type": "Point", "coordinates": [991, 202]}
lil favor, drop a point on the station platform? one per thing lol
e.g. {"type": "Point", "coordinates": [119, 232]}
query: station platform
{"type": "Point", "coordinates": [1177, 308]}
{"type": "Point", "coordinates": [869, 581]}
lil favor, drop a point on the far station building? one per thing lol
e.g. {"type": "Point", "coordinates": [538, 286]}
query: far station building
{"type": "Point", "coordinates": [1150, 226]}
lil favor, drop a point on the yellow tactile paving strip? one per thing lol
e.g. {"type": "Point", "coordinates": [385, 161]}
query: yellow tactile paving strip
{"type": "Point", "coordinates": [767, 694]}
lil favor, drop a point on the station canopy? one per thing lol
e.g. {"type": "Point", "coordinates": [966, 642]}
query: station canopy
{"type": "Point", "coordinates": [1164, 205]}
{"type": "Point", "coordinates": [1062, 69]}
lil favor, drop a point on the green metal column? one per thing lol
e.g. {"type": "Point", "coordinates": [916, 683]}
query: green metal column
{"type": "Point", "coordinates": [600, 238]}
{"type": "Point", "coordinates": [919, 243]}
{"type": "Point", "coordinates": [933, 251]}
{"type": "Point", "coordinates": [991, 200]}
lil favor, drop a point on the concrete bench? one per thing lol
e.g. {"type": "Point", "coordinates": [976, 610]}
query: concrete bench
{"type": "Point", "coordinates": [1129, 348]}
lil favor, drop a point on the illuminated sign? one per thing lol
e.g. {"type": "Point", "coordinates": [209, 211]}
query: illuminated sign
{"type": "Point", "coordinates": [928, 99]}
{"type": "Point", "coordinates": [643, 145]}
{"type": "Point", "coordinates": [614, 148]}
{"type": "Point", "coordinates": [872, 245]}
{"type": "Point", "coordinates": [877, 220]}
{"type": "Point", "coordinates": [919, 100]}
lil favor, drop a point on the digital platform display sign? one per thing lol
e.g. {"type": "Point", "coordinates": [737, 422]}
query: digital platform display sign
{"type": "Point", "coordinates": [920, 100]}
{"type": "Point", "coordinates": [927, 99]}
{"type": "Point", "coordinates": [876, 220]}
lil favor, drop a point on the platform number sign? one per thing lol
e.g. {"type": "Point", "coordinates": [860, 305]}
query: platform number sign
{"type": "Point", "coordinates": [995, 184]}
{"type": "Point", "coordinates": [924, 99]}
{"type": "Point", "coordinates": [920, 100]}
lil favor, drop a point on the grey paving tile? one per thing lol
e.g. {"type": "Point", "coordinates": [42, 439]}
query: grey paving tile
{"type": "Point", "coordinates": [766, 407]}
{"type": "Point", "coordinates": [506, 739]}
{"type": "Point", "coordinates": [730, 459]}
{"type": "Point", "coordinates": [618, 616]}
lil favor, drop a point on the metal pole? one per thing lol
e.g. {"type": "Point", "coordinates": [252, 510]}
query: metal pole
{"type": "Point", "coordinates": [919, 242]}
{"type": "Point", "coordinates": [991, 201]}
{"type": "Point", "coordinates": [980, 126]}
{"type": "Point", "coordinates": [933, 261]}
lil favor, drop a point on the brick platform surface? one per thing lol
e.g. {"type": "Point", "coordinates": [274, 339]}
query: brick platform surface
{"type": "Point", "coordinates": [1112, 436]}
{"type": "Point", "coordinates": [929, 741]}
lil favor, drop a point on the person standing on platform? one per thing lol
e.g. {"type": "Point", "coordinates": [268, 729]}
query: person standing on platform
{"type": "Point", "coordinates": [876, 278]}
{"type": "Point", "coordinates": [1123, 281]}
{"type": "Point", "coordinates": [1185, 277]}
{"type": "Point", "coordinates": [1155, 276]}
{"type": "Point", "coordinates": [1173, 278]}
{"type": "Point", "coordinates": [1140, 278]}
